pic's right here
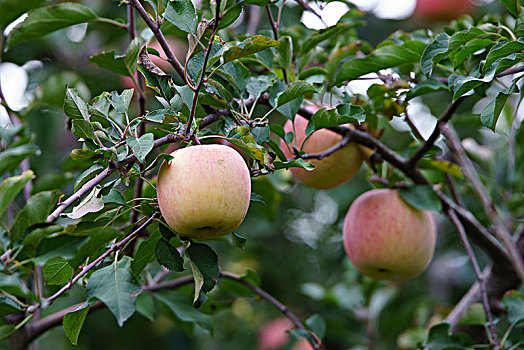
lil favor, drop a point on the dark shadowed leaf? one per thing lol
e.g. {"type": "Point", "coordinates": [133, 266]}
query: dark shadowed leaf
{"type": "Point", "coordinates": [422, 197]}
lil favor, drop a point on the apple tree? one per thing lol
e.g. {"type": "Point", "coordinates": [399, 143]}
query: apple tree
{"type": "Point", "coordinates": [186, 169]}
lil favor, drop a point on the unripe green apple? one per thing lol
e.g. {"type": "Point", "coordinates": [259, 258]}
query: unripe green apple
{"type": "Point", "coordinates": [387, 238]}
{"type": "Point", "coordinates": [204, 191]}
{"type": "Point", "coordinates": [330, 171]}
{"type": "Point", "coordinates": [443, 10]}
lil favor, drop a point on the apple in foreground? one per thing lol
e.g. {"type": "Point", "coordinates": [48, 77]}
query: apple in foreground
{"type": "Point", "coordinates": [204, 191]}
{"type": "Point", "coordinates": [273, 336]}
{"type": "Point", "coordinates": [443, 10]}
{"type": "Point", "coordinates": [387, 238]}
{"type": "Point", "coordinates": [330, 171]}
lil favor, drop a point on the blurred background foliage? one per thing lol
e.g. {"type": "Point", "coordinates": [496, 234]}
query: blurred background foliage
{"type": "Point", "coordinates": [293, 241]}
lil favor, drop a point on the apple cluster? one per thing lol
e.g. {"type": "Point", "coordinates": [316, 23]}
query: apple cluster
{"type": "Point", "coordinates": [204, 192]}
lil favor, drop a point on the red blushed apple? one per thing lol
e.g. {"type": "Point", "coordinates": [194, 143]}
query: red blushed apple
{"type": "Point", "coordinates": [330, 171]}
{"type": "Point", "coordinates": [204, 191]}
{"type": "Point", "coordinates": [443, 10]}
{"type": "Point", "coordinates": [274, 336]}
{"type": "Point", "coordinates": [386, 238]}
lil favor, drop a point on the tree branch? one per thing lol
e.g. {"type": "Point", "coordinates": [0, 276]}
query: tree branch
{"type": "Point", "coordinates": [155, 28]}
{"type": "Point", "coordinates": [478, 273]}
{"type": "Point", "coordinates": [448, 113]}
{"type": "Point", "coordinates": [471, 174]}
{"type": "Point", "coordinates": [338, 146]}
{"type": "Point", "coordinates": [275, 34]}
{"type": "Point", "coordinates": [283, 308]}
{"type": "Point", "coordinates": [112, 166]}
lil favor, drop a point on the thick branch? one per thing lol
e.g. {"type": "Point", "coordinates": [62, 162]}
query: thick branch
{"type": "Point", "coordinates": [155, 28]}
{"type": "Point", "coordinates": [470, 173]}
{"type": "Point", "coordinates": [283, 308]}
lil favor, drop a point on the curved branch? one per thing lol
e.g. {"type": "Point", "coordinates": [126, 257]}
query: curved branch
{"type": "Point", "coordinates": [283, 308]}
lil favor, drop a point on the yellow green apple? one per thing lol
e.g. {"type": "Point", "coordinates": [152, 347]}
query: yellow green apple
{"type": "Point", "coordinates": [330, 171]}
{"type": "Point", "coordinates": [204, 191]}
{"type": "Point", "coordinates": [387, 238]}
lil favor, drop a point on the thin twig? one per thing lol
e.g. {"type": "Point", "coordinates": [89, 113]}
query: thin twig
{"type": "Point", "coordinates": [204, 67]}
{"type": "Point", "coordinates": [155, 28]}
{"type": "Point", "coordinates": [448, 113]}
{"type": "Point", "coordinates": [112, 166]}
{"type": "Point", "coordinates": [283, 308]}
{"type": "Point", "coordinates": [470, 173]}
{"type": "Point", "coordinates": [275, 34]}
{"type": "Point", "coordinates": [464, 238]}
{"type": "Point", "coordinates": [114, 248]}
{"type": "Point", "coordinates": [338, 146]}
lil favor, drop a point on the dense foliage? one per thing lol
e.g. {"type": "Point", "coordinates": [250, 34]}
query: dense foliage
{"type": "Point", "coordinates": [110, 88]}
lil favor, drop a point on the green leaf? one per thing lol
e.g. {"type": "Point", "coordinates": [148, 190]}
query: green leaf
{"type": "Point", "coordinates": [5, 331]}
{"type": "Point", "coordinates": [11, 158]}
{"type": "Point", "coordinates": [121, 102]}
{"type": "Point", "coordinates": [295, 90]}
{"type": "Point", "coordinates": [45, 20]}
{"type": "Point", "coordinates": [251, 45]}
{"type": "Point", "coordinates": [258, 85]}
{"type": "Point", "coordinates": [144, 253]}
{"type": "Point", "coordinates": [8, 305]}
{"type": "Point", "coordinates": [295, 163]}
{"type": "Point", "coordinates": [120, 64]}
{"type": "Point", "coordinates": [116, 287]}
{"type": "Point", "coordinates": [87, 175]}
{"type": "Point", "coordinates": [327, 33]}
{"type": "Point", "coordinates": [491, 113]}
{"type": "Point", "coordinates": [92, 203]}
{"type": "Point", "coordinates": [10, 187]}
{"type": "Point", "coordinates": [513, 301]}
{"type": "Point", "coordinates": [434, 49]}
{"type": "Point", "coordinates": [74, 106]}
{"type": "Point", "coordinates": [83, 129]}
{"type": "Point", "coordinates": [181, 306]}
{"type": "Point", "coordinates": [239, 241]}
{"type": "Point", "coordinates": [145, 305]}
{"type": "Point", "coordinates": [115, 196]}
{"type": "Point", "coordinates": [461, 85]}
{"type": "Point", "coordinates": [502, 50]}
{"type": "Point", "coordinates": [383, 57]}
{"type": "Point", "coordinates": [425, 87]}
{"type": "Point", "coordinates": [168, 256]}
{"type": "Point", "coordinates": [229, 17]}
{"type": "Point", "coordinates": [57, 271]}
{"type": "Point", "coordinates": [316, 324]}
{"type": "Point", "coordinates": [474, 315]}
{"type": "Point", "coordinates": [512, 6]}
{"type": "Point", "coordinates": [73, 322]}
{"type": "Point", "coordinates": [421, 197]}
{"type": "Point", "coordinates": [156, 79]}
{"type": "Point", "coordinates": [257, 198]}
{"type": "Point", "coordinates": [439, 338]}
{"type": "Point", "coordinates": [182, 14]}
{"type": "Point", "coordinates": [94, 239]}
{"type": "Point", "coordinates": [204, 262]}
{"type": "Point", "coordinates": [285, 50]}
{"type": "Point", "coordinates": [343, 114]}
{"type": "Point", "coordinates": [141, 146]}
{"type": "Point", "coordinates": [36, 210]}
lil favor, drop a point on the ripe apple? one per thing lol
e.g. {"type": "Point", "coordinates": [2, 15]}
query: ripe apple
{"type": "Point", "coordinates": [330, 171]}
{"type": "Point", "coordinates": [387, 238]}
{"type": "Point", "coordinates": [442, 10]}
{"type": "Point", "coordinates": [204, 191]}
{"type": "Point", "coordinates": [273, 336]}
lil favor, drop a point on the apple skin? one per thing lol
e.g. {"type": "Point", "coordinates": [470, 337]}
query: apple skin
{"type": "Point", "coordinates": [442, 10]}
{"type": "Point", "coordinates": [274, 336]}
{"type": "Point", "coordinates": [204, 191]}
{"type": "Point", "coordinates": [331, 171]}
{"type": "Point", "coordinates": [386, 238]}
